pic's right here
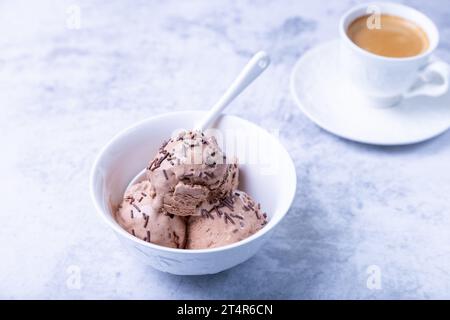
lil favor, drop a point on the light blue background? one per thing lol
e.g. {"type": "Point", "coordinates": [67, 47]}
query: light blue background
{"type": "Point", "coordinates": [65, 92]}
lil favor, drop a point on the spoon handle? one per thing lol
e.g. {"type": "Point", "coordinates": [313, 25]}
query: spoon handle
{"type": "Point", "coordinates": [257, 64]}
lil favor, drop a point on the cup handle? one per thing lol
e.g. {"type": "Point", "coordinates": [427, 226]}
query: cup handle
{"type": "Point", "coordinates": [426, 88]}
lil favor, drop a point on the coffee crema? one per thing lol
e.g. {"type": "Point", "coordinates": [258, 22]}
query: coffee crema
{"type": "Point", "coordinates": [396, 37]}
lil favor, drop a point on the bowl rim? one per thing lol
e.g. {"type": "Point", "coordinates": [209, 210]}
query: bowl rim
{"type": "Point", "coordinates": [118, 229]}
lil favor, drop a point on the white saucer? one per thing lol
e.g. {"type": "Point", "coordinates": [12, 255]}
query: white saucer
{"type": "Point", "coordinates": [332, 104]}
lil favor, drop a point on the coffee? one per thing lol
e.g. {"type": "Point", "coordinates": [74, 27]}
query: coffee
{"type": "Point", "coordinates": [396, 37]}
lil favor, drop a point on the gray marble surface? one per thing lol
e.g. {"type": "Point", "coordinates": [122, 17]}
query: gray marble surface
{"type": "Point", "coordinates": [64, 92]}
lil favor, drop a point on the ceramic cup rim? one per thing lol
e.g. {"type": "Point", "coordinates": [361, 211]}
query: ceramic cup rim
{"type": "Point", "coordinates": [120, 231]}
{"type": "Point", "coordinates": [432, 32]}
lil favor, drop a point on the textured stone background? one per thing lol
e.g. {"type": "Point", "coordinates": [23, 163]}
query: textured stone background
{"type": "Point", "coordinates": [65, 92]}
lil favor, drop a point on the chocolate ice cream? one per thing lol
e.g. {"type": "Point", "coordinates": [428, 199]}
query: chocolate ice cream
{"type": "Point", "coordinates": [190, 169]}
{"type": "Point", "coordinates": [226, 221]}
{"type": "Point", "coordinates": [141, 215]}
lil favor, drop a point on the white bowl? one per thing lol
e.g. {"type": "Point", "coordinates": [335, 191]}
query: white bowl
{"type": "Point", "coordinates": [267, 173]}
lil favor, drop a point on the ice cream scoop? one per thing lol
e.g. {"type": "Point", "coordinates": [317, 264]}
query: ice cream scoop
{"type": "Point", "coordinates": [140, 214]}
{"type": "Point", "coordinates": [226, 221]}
{"type": "Point", "coordinates": [189, 169]}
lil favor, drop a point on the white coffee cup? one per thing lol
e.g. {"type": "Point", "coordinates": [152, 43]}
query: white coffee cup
{"type": "Point", "coordinates": [386, 81]}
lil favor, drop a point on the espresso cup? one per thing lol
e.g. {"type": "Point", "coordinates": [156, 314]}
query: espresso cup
{"type": "Point", "coordinates": [386, 81]}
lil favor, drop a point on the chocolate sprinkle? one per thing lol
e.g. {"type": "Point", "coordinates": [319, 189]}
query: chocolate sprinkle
{"type": "Point", "coordinates": [163, 158]}
{"type": "Point", "coordinates": [226, 203]}
{"type": "Point", "coordinates": [160, 160]}
{"type": "Point", "coordinates": [144, 194]}
{"type": "Point", "coordinates": [132, 216]}
{"type": "Point", "coordinates": [227, 217]}
{"type": "Point", "coordinates": [132, 232]}
{"type": "Point", "coordinates": [137, 208]}
{"type": "Point", "coordinates": [146, 221]}
{"type": "Point", "coordinates": [165, 175]}
{"type": "Point", "coordinates": [206, 214]}
{"type": "Point", "coordinates": [219, 213]}
{"type": "Point", "coordinates": [148, 235]}
{"type": "Point", "coordinates": [151, 164]}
